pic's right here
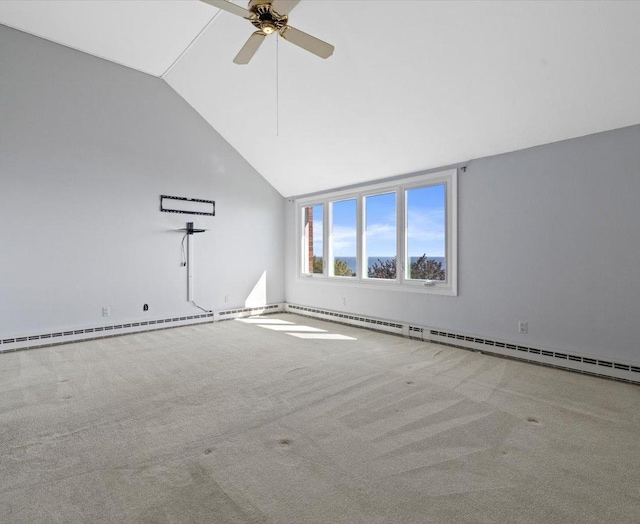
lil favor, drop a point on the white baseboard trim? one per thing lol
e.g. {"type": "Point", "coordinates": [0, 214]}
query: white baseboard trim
{"type": "Point", "coordinates": [377, 324]}
{"type": "Point", "coordinates": [248, 312]}
{"type": "Point", "coordinates": [602, 367]}
{"type": "Point", "coordinates": [598, 366]}
{"type": "Point", "coordinates": [113, 330]}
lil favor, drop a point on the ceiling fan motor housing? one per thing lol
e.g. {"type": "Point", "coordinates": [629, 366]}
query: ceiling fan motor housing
{"type": "Point", "coordinates": [265, 18]}
{"type": "Point", "coordinates": [262, 15]}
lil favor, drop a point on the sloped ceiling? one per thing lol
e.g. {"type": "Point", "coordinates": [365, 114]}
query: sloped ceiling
{"type": "Point", "coordinates": [412, 85]}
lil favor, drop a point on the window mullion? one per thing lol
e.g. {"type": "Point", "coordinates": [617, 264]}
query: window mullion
{"type": "Point", "coordinates": [401, 222]}
{"type": "Point", "coordinates": [447, 232]}
{"type": "Point", "coordinates": [399, 240]}
{"type": "Point", "coordinates": [300, 235]}
{"type": "Point", "coordinates": [360, 238]}
{"type": "Point", "coordinates": [451, 229]}
{"type": "Point", "coordinates": [326, 216]}
{"type": "Point", "coordinates": [329, 238]}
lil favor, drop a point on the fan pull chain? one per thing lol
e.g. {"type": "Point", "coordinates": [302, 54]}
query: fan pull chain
{"type": "Point", "coordinates": [277, 87]}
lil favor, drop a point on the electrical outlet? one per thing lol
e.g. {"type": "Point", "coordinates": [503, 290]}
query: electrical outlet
{"type": "Point", "coordinates": [523, 326]}
{"type": "Point", "coordinates": [226, 298]}
{"type": "Point", "coordinates": [344, 301]}
{"type": "Point", "coordinates": [106, 311]}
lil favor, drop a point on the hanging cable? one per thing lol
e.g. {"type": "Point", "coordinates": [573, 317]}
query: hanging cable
{"type": "Point", "coordinates": [203, 309]}
{"type": "Point", "coordinates": [183, 259]}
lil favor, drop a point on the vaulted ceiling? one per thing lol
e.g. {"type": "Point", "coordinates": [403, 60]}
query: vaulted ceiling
{"type": "Point", "coordinates": [412, 85]}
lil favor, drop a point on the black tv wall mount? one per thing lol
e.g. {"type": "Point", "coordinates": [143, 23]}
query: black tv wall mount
{"type": "Point", "coordinates": [190, 206]}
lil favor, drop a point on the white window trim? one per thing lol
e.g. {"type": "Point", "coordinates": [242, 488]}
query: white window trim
{"type": "Point", "coordinates": [400, 283]}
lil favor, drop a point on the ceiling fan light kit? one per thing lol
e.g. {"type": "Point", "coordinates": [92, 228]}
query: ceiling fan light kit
{"type": "Point", "coordinates": [271, 16]}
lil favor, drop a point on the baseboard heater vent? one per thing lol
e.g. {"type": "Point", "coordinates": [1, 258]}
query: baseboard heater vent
{"type": "Point", "coordinates": [344, 318]}
{"type": "Point", "coordinates": [416, 332]}
{"type": "Point", "coordinates": [76, 335]}
{"type": "Point", "coordinates": [248, 311]}
{"type": "Point", "coordinates": [548, 357]}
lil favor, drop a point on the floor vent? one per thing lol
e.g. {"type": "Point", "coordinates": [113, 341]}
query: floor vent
{"type": "Point", "coordinates": [344, 318]}
{"type": "Point", "coordinates": [591, 366]}
{"type": "Point", "coordinates": [63, 337]}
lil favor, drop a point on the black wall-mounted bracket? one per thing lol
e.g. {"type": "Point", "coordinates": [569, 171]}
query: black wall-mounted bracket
{"type": "Point", "coordinates": [190, 230]}
{"type": "Point", "coordinates": [190, 206]}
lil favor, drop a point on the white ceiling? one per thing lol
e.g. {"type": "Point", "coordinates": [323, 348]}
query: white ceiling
{"type": "Point", "coordinates": [145, 35]}
{"type": "Point", "coordinates": [412, 84]}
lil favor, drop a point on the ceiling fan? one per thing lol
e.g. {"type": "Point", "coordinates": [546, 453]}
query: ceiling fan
{"type": "Point", "coordinates": [271, 16]}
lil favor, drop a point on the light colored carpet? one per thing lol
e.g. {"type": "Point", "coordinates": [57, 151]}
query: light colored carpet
{"type": "Point", "coordinates": [233, 422]}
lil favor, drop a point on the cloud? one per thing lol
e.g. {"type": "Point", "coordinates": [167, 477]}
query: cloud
{"type": "Point", "coordinates": [426, 232]}
{"type": "Point", "coordinates": [426, 224]}
{"type": "Point", "coordinates": [317, 237]}
{"type": "Point", "coordinates": [344, 241]}
{"type": "Point", "coordinates": [381, 232]}
{"type": "Point", "coordinates": [381, 239]}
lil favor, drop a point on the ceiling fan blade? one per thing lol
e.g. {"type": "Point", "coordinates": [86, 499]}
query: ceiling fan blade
{"type": "Point", "coordinates": [284, 7]}
{"type": "Point", "coordinates": [228, 6]}
{"type": "Point", "coordinates": [249, 48]}
{"type": "Point", "coordinates": [308, 42]}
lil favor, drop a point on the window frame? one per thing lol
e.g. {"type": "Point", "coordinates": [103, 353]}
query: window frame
{"type": "Point", "coordinates": [449, 286]}
{"type": "Point", "coordinates": [361, 255]}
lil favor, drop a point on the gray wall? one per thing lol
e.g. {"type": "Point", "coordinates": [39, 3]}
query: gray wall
{"type": "Point", "coordinates": [548, 235]}
{"type": "Point", "coordinates": [86, 149]}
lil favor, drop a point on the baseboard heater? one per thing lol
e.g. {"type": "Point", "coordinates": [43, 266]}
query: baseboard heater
{"type": "Point", "coordinates": [345, 318]}
{"type": "Point", "coordinates": [602, 367]}
{"type": "Point", "coordinates": [230, 314]}
{"type": "Point", "coordinates": [548, 357]}
{"type": "Point", "coordinates": [91, 333]}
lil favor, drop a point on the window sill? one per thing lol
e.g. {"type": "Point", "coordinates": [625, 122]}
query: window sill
{"type": "Point", "coordinates": [379, 284]}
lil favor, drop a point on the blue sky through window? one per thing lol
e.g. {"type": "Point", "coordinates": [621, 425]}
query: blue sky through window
{"type": "Point", "coordinates": [426, 221]}
{"type": "Point", "coordinates": [425, 224]}
{"type": "Point", "coordinates": [317, 230]}
{"type": "Point", "coordinates": [343, 231]}
{"type": "Point", "coordinates": [380, 229]}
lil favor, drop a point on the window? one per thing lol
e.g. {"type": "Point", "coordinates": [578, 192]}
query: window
{"type": "Point", "coordinates": [343, 238]}
{"type": "Point", "coordinates": [399, 235]}
{"type": "Point", "coordinates": [381, 236]}
{"type": "Point", "coordinates": [426, 234]}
